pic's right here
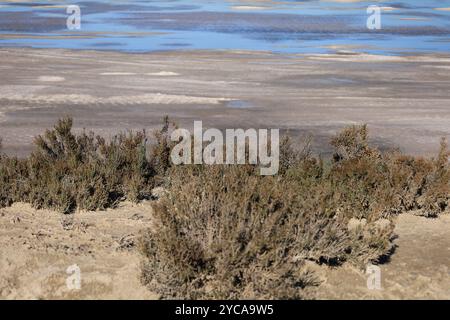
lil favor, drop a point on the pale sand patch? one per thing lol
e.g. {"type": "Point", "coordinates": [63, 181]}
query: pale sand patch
{"type": "Point", "coordinates": [12, 89]}
{"type": "Point", "coordinates": [292, 91]}
{"type": "Point", "coordinates": [84, 99]}
{"type": "Point", "coordinates": [51, 79]}
{"type": "Point", "coordinates": [388, 8]}
{"type": "Point", "coordinates": [117, 73]}
{"type": "Point", "coordinates": [351, 56]}
{"type": "Point", "coordinates": [418, 269]}
{"type": "Point", "coordinates": [39, 246]}
{"type": "Point", "coordinates": [355, 57]}
{"type": "Point", "coordinates": [414, 19]}
{"type": "Point", "coordinates": [163, 74]}
{"type": "Point", "coordinates": [442, 9]}
{"type": "Point", "coordinates": [49, 6]}
{"type": "Point", "coordinates": [346, 47]}
{"type": "Point", "coordinates": [248, 8]}
{"type": "Point", "coordinates": [437, 67]}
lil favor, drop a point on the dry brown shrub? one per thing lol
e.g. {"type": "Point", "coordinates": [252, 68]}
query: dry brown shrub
{"type": "Point", "coordinates": [68, 171]}
{"type": "Point", "coordinates": [226, 232]}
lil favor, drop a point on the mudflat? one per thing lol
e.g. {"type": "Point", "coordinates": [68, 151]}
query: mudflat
{"type": "Point", "coordinates": [404, 100]}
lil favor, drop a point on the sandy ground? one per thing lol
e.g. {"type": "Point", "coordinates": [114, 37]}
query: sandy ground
{"type": "Point", "coordinates": [405, 100]}
{"type": "Point", "coordinates": [418, 269]}
{"type": "Point", "coordinates": [37, 247]}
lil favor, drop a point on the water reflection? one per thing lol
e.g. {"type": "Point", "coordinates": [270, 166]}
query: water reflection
{"type": "Point", "coordinates": [281, 26]}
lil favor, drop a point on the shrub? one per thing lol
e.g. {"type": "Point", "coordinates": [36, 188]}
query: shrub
{"type": "Point", "coordinates": [226, 232]}
{"type": "Point", "coordinates": [160, 151]}
{"type": "Point", "coordinates": [13, 180]}
{"type": "Point", "coordinates": [68, 171]}
{"type": "Point", "coordinates": [434, 197]}
{"type": "Point", "coordinates": [87, 172]}
{"type": "Point", "coordinates": [352, 143]}
{"type": "Point", "coordinates": [367, 181]}
{"type": "Point", "coordinates": [13, 174]}
{"type": "Point", "coordinates": [223, 232]}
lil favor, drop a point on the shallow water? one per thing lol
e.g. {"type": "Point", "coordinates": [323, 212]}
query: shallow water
{"type": "Point", "coordinates": [314, 26]}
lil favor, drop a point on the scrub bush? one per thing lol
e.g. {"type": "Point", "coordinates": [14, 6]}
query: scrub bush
{"type": "Point", "coordinates": [224, 232]}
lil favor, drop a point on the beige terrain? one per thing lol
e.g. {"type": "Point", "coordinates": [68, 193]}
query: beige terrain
{"type": "Point", "coordinates": [37, 247]}
{"type": "Point", "coordinates": [418, 269]}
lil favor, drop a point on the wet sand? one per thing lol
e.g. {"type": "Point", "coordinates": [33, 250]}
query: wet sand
{"type": "Point", "coordinates": [404, 100]}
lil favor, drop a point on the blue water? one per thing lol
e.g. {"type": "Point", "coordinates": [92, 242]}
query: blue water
{"type": "Point", "coordinates": [312, 26]}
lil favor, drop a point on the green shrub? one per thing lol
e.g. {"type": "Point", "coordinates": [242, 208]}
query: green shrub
{"type": "Point", "coordinates": [67, 171]}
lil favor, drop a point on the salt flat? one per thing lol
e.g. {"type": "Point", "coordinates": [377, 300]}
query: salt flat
{"type": "Point", "coordinates": [404, 100]}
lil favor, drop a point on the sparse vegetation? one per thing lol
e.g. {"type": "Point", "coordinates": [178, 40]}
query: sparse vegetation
{"type": "Point", "coordinates": [86, 172]}
{"type": "Point", "coordinates": [225, 231]}
{"type": "Point", "coordinates": [368, 181]}
{"type": "Point", "coordinates": [68, 171]}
